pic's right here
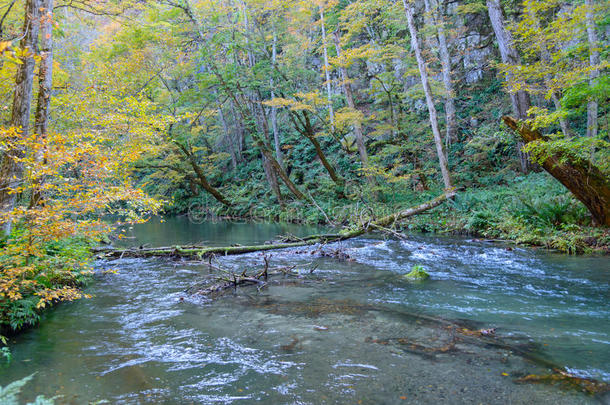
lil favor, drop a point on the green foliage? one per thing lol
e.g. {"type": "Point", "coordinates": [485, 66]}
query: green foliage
{"type": "Point", "coordinates": [20, 313]}
{"type": "Point", "coordinates": [534, 210]}
{"type": "Point", "coordinates": [577, 96]}
{"type": "Point", "coordinates": [479, 220]}
{"type": "Point", "coordinates": [575, 149]}
{"type": "Point", "coordinates": [192, 75]}
{"type": "Point", "coordinates": [472, 7]}
{"type": "Point", "coordinates": [212, 89]}
{"type": "Point", "coordinates": [553, 213]}
{"type": "Point", "coordinates": [63, 264]}
{"type": "Point", "coordinates": [555, 57]}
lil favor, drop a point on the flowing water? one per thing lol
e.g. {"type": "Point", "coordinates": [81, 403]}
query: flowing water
{"type": "Point", "coordinates": [345, 331]}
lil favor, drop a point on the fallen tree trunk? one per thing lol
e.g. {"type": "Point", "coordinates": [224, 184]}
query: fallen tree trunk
{"type": "Point", "coordinates": [195, 252]}
{"type": "Point", "coordinates": [579, 175]}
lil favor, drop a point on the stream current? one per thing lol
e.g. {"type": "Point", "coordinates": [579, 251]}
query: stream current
{"type": "Point", "coordinates": [348, 332]}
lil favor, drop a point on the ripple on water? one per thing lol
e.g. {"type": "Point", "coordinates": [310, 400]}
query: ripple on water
{"type": "Point", "coordinates": [137, 342]}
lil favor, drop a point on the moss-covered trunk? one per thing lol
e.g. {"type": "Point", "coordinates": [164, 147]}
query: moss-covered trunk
{"type": "Point", "coordinates": [589, 184]}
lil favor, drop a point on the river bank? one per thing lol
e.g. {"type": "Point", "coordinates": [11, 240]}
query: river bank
{"type": "Point", "coordinates": [533, 210]}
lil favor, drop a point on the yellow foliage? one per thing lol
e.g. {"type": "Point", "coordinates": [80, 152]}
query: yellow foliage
{"type": "Point", "coordinates": [350, 56]}
{"type": "Point", "coordinates": [78, 179]}
{"type": "Point", "coordinates": [4, 46]}
{"type": "Point", "coordinates": [307, 101]}
{"type": "Point", "coordinates": [347, 117]}
{"type": "Point", "coordinates": [293, 105]}
{"type": "Point", "coordinates": [549, 67]}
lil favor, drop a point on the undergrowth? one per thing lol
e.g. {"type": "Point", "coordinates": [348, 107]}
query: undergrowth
{"type": "Point", "coordinates": [31, 281]}
{"type": "Point", "coordinates": [531, 210]}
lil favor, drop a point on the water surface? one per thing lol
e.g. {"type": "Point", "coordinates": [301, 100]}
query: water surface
{"type": "Point", "coordinates": [348, 332]}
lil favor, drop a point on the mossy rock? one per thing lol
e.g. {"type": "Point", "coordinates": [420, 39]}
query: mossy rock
{"type": "Point", "coordinates": [417, 274]}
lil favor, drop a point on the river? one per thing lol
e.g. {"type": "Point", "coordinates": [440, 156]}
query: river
{"type": "Point", "coordinates": [345, 331]}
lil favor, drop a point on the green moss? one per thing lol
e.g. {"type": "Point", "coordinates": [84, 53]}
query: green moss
{"type": "Point", "coordinates": [418, 273]}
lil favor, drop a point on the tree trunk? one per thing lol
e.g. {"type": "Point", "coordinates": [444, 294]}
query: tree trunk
{"type": "Point", "coordinates": [260, 143]}
{"type": "Point", "coordinates": [327, 72]}
{"type": "Point", "coordinates": [257, 111]}
{"type": "Point", "coordinates": [520, 99]}
{"type": "Point", "coordinates": [5, 13]}
{"type": "Point", "coordinates": [22, 97]}
{"type": "Point", "coordinates": [281, 172]}
{"type": "Point", "coordinates": [231, 144]}
{"type": "Point", "coordinates": [45, 75]}
{"type": "Point", "coordinates": [302, 123]}
{"type": "Point", "coordinates": [451, 130]}
{"type": "Point", "coordinates": [592, 106]}
{"type": "Point", "coordinates": [272, 179]}
{"type": "Point", "coordinates": [201, 177]}
{"type": "Point", "coordinates": [274, 165]}
{"type": "Point", "coordinates": [274, 126]}
{"type": "Point", "coordinates": [270, 173]}
{"type": "Point", "coordinates": [240, 132]}
{"type": "Point", "coordinates": [563, 122]}
{"type": "Point", "coordinates": [428, 93]}
{"type": "Point", "coordinates": [225, 127]}
{"type": "Point", "coordinates": [238, 98]}
{"type": "Point", "coordinates": [202, 251]}
{"type": "Point", "coordinates": [435, 18]}
{"type": "Point", "coordinates": [580, 176]}
{"type": "Point", "coordinates": [11, 171]}
{"type": "Point", "coordinates": [349, 97]}
{"type": "Point", "coordinates": [431, 41]}
{"type": "Point", "coordinates": [45, 86]}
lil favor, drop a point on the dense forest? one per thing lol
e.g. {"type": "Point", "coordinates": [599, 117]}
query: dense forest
{"type": "Point", "coordinates": [330, 112]}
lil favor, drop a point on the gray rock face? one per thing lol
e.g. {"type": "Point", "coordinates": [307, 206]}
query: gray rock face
{"type": "Point", "coordinates": [475, 57]}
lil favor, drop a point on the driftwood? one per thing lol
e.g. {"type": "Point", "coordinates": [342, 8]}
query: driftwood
{"type": "Point", "coordinates": [230, 280]}
{"type": "Point", "coordinates": [569, 381]}
{"type": "Point", "coordinates": [578, 175]}
{"type": "Point", "coordinates": [199, 252]}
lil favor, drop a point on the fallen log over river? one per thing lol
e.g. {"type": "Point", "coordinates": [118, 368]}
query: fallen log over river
{"type": "Point", "coordinates": [200, 252]}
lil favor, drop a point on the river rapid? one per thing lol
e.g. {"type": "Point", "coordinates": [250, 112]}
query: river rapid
{"type": "Point", "coordinates": [343, 331]}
